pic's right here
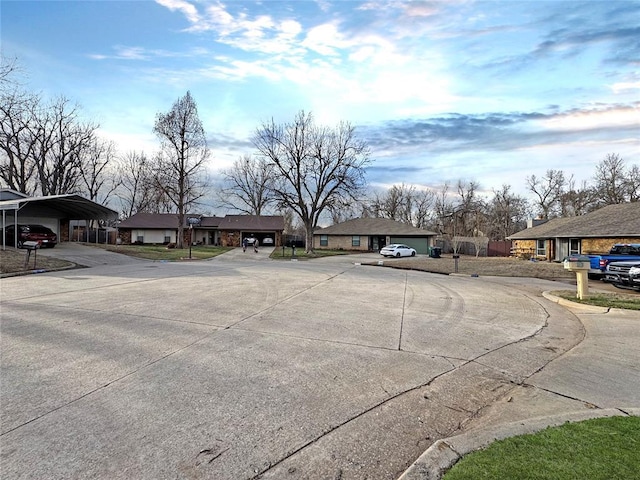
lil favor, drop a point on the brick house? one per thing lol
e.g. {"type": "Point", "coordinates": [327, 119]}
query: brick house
{"type": "Point", "coordinates": [371, 234]}
{"type": "Point", "coordinates": [227, 231]}
{"type": "Point", "coordinates": [592, 233]}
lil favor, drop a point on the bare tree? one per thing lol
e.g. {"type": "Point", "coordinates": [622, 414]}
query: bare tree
{"type": "Point", "coordinates": [507, 213]}
{"type": "Point", "coordinates": [317, 168]}
{"type": "Point", "coordinates": [444, 210]}
{"type": "Point", "coordinates": [633, 183]}
{"type": "Point", "coordinates": [423, 211]}
{"type": "Point", "coordinates": [548, 190]}
{"type": "Point", "coordinates": [97, 170]}
{"type": "Point", "coordinates": [247, 185]}
{"type": "Point", "coordinates": [576, 201]}
{"type": "Point", "coordinates": [470, 209]}
{"type": "Point", "coordinates": [17, 143]}
{"type": "Point", "coordinates": [60, 141]}
{"type": "Point", "coordinates": [405, 203]}
{"type": "Point", "coordinates": [8, 68]}
{"type": "Point", "coordinates": [135, 183]}
{"type": "Point", "coordinates": [179, 167]}
{"type": "Point", "coordinates": [611, 182]}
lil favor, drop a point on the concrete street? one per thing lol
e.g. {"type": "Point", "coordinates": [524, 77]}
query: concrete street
{"type": "Point", "coordinates": [243, 367]}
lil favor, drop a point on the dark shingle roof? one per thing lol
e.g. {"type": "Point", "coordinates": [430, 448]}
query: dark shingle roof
{"type": "Point", "coordinates": [621, 220]}
{"type": "Point", "coordinates": [252, 222]}
{"type": "Point", "coordinates": [373, 226]}
{"type": "Point", "coordinates": [152, 220]}
{"type": "Point", "coordinates": [229, 222]}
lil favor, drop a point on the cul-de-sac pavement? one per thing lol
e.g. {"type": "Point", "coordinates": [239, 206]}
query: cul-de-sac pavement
{"type": "Point", "coordinates": [243, 367]}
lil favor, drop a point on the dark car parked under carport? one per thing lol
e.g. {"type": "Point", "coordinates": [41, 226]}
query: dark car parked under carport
{"type": "Point", "coordinates": [31, 233]}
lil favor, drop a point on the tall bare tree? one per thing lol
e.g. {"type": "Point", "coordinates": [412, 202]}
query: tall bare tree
{"type": "Point", "coordinates": [507, 213]}
{"type": "Point", "coordinates": [179, 170]}
{"type": "Point", "coordinates": [576, 201]}
{"type": "Point", "coordinates": [98, 171]}
{"type": "Point", "coordinates": [247, 185]}
{"type": "Point", "coordinates": [611, 182]}
{"type": "Point", "coordinates": [135, 191]}
{"type": "Point", "coordinates": [405, 203]}
{"type": "Point", "coordinates": [317, 168]}
{"type": "Point", "coordinates": [17, 142]}
{"type": "Point", "coordinates": [470, 209]}
{"type": "Point", "coordinates": [548, 190]}
{"type": "Point", "coordinates": [61, 139]}
{"type": "Point", "coordinates": [633, 183]}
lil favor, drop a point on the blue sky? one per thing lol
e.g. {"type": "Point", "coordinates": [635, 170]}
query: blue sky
{"type": "Point", "coordinates": [490, 91]}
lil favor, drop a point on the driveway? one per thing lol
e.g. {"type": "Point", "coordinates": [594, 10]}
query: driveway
{"type": "Point", "coordinates": [229, 369]}
{"type": "Point", "coordinates": [88, 256]}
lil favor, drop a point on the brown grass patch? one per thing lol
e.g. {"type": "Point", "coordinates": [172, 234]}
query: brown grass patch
{"type": "Point", "coordinates": [484, 266]}
{"type": "Point", "coordinates": [13, 261]}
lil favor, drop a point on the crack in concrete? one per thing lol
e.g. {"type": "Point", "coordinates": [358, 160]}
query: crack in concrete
{"type": "Point", "coordinates": [472, 414]}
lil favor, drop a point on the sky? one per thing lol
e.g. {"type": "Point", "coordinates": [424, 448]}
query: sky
{"type": "Point", "coordinates": [484, 91]}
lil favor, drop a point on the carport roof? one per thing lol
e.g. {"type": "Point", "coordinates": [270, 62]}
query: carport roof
{"type": "Point", "coordinates": [73, 207]}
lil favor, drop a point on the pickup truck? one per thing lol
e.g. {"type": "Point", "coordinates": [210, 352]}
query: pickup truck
{"type": "Point", "coordinates": [624, 275]}
{"type": "Point", "coordinates": [620, 252]}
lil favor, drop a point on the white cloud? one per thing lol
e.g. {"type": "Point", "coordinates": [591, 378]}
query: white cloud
{"type": "Point", "coordinates": [186, 8]}
{"type": "Point", "coordinates": [593, 119]}
{"type": "Point", "coordinates": [625, 86]}
{"type": "Point", "coordinates": [325, 39]}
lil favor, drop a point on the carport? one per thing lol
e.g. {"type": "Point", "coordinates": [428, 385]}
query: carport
{"type": "Point", "coordinates": [54, 211]}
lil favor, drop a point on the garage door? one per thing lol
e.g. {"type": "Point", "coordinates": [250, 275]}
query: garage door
{"type": "Point", "coordinates": [419, 243]}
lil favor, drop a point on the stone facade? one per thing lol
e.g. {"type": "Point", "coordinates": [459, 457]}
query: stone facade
{"type": "Point", "coordinates": [342, 242]}
{"type": "Point", "coordinates": [603, 245]}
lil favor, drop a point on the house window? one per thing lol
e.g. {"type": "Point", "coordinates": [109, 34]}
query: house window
{"type": "Point", "coordinates": [574, 246]}
{"type": "Point", "coordinates": [324, 240]}
{"type": "Point", "coordinates": [541, 249]}
{"type": "Point", "coordinates": [140, 239]}
{"type": "Point", "coordinates": [355, 241]}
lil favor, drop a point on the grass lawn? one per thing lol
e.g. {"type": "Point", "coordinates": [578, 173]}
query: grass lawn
{"type": "Point", "coordinates": [161, 252]}
{"type": "Point", "coordinates": [629, 301]}
{"type": "Point", "coordinates": [598, 449]}
{"type": "Point", "coordinates": [301, 254]}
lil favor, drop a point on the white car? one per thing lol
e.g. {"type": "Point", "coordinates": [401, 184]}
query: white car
{"type": "Point", "coordinates": [397, 250]}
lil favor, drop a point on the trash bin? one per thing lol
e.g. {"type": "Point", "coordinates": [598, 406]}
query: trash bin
{"type": "Point", "coordinates": [434, 252]}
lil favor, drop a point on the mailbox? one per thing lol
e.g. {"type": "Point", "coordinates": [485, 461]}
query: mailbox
{"type": "Point", "coordinates": [581, 265]}
{"type": "Point", "coordinates": [30, 246]}
{"type": "Point", "coordinates": [576, 263]}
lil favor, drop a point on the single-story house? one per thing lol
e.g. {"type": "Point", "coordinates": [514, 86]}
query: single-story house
{"type": "Point", "coordinates": [61, 213]}
{"type": "Point", "coordinates": [227, 231]}
{"type": "Point", "coordinates": [371, 234]}
{"type": "Point", "coordinates": [593, 233]}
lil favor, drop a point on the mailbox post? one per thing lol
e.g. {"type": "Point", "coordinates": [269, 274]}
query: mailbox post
{"type": "Point", "coordinates": [579, 264]}
{"type": "Point", "coordinates": [30, 247]}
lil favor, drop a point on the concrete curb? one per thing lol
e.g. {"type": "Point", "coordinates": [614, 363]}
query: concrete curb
{"type": "Point", "coordinates": [40, 270]}
{"type": "Point", "coordinates": [443, 454]}
{"type": "Point", "coordinates": [575, 305]}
